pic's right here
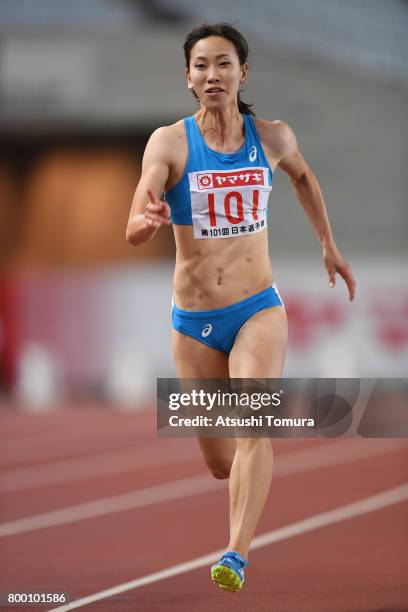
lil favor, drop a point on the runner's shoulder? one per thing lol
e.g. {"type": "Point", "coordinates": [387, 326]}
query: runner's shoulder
{"type": "Point", "coordinates": [168, 140]}
{"type": "Point", "coordinates": [277, 135]}
{"type": "Point", "coordinates": [169, 134]}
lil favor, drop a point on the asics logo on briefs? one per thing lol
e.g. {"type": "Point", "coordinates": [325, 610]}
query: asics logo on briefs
{"type": "Point", "coordinates": [252, 153]}
{"type": "Point", "coordinates": [207, 329]}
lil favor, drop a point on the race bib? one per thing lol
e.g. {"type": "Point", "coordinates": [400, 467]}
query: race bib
{"type": "Point", "coordinates": [225, 204]}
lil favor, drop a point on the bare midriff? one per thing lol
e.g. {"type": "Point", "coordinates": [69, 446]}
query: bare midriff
{"type": "Point", "coordinates": [217, 273]}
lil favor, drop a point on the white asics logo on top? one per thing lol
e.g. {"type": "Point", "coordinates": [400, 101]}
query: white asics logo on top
{"type": "Point", "coordinates": [252, 154]}
{"type": "Point", "coordinates": [206, 330]}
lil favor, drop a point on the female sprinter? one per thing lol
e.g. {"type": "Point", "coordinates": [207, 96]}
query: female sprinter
{"type": "Point", "coordinates": [216, 168]}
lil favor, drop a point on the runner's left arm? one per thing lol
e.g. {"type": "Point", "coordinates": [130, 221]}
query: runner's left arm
{"type": "Point", "coordinates": [309, 194]}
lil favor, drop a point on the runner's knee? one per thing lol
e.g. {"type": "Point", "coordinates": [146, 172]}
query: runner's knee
{"type": "Point", "coordinates": [219, 470]}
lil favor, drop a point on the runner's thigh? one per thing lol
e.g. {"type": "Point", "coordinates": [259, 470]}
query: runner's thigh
{"type": "Point", "coordinates": [260, 347]}
{"type": "Point", "coordinates": [197, 360]}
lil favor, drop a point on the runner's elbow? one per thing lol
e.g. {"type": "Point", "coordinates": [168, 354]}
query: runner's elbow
{"type": "Point", "coordinates": [137, 236]}
{"type": "Point", "coordinates": [134, 238]}
{"type": "Point", "coordinates": [131, 231]}
{"type": "Point", "coordinates": [130, 236]}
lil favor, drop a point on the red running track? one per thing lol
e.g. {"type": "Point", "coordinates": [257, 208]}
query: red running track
{"type": "Point", "coordinates": [53, 540]}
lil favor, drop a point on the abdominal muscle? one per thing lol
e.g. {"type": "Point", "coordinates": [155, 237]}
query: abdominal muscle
{"type": "Point", "coordinates": [214, 273]}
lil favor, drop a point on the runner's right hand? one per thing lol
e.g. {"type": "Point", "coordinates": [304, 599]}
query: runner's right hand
{"type": "Point", "coordinates": [157, 212]}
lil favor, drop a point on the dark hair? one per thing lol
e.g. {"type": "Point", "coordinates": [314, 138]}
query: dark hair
{"type": "Point", "coordinates": [225, 30]}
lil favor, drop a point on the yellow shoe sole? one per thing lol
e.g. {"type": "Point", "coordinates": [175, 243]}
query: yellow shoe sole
{"type": "Point", "coordinates": [226, 579]}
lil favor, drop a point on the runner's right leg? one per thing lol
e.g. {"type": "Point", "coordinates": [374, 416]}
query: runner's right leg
{"type": "Point", "coordinates": [197, 360]}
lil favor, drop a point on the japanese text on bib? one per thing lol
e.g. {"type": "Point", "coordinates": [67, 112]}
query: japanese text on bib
{"type": "Point", "coordinates": [225, 204]}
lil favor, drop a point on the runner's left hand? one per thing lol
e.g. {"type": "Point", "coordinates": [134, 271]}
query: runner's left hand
{"type": "Point", "coordinates": [335, 263]}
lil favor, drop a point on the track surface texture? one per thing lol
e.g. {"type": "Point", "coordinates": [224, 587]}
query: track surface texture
{"type": "Point", "coordinates": [93, 504]}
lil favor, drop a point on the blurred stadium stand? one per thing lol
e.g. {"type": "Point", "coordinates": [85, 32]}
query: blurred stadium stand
{"type": "Point", "coordinates": [367, 34]}
{"type": "Point", "coordinates": [95, 14]}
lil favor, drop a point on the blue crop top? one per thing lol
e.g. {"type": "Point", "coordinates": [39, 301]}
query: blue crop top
{"type": "Point", "coordinates": [222, 194]}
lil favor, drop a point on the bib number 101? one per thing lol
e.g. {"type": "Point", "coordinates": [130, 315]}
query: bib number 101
{"type": "Point", "coordinates": [233, 198]}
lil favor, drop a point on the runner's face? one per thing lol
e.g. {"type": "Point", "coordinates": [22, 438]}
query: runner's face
{"type": "Point", "coordinates": [215, 73]}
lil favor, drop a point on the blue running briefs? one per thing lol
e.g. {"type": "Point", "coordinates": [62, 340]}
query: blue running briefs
{"type": "Point", "coordinates": [218, 328]}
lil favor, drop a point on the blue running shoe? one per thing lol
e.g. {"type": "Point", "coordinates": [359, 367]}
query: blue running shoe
{"type": "Point", "coordinates": [228, 573]}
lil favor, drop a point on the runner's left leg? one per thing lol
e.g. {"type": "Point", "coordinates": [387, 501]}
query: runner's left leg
{"type": "Point", "coordinates": [258, 352]}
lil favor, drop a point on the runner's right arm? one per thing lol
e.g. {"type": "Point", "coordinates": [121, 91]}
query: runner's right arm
{"type": "Point", "coordinates": [148, 212]}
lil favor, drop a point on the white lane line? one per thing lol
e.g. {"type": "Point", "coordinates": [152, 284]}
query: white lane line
{"type": "Point", "coordinates": [342, 513]}
{"type": "Point", "coordinates": [345, 450]}
{"type": "Point", "coordinates": [47, 447]}
{"type": "Point", "coordinates": [123, 460]}
{"type": "Point", "coordinates": [169, 491]}
{"type": "Point", "coordinates": [286, 464]}
{"type": "Point", "coordinates": [68, 435]}
{"type": "Point", "coordinates": [73, 424]}
{"type": "Point", "coordinates": [118, 461]}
